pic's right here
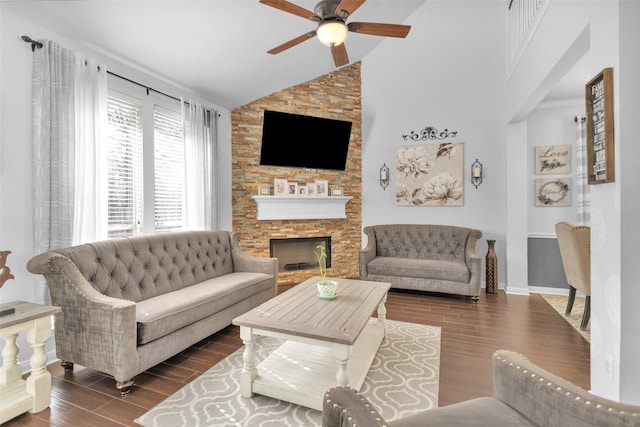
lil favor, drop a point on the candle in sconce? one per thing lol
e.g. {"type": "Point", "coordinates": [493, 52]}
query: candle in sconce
{"type": "Point", "coordinates": [383, 174]}
{"type": "Point", "coordinates": [477, 172]}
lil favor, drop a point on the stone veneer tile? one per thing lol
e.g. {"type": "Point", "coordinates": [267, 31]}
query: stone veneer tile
{"type": "Point", "coordinates": [336, 95]}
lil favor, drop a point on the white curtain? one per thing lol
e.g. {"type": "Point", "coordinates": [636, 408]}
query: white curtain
{"type": "Point", "coordinates": [201, 183]}
{"type": "Point", "coordinates": [582, 171]}
{"type": "Point", "coordinates": [90, 207]}
{"type": "Point", "coordinates": [65, 111]}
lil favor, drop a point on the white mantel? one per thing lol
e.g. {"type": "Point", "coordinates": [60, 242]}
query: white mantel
{"type": "Point", "coordinates": [301, 207]}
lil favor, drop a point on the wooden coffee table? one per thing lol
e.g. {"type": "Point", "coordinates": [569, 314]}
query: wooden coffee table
{"type": "Point", "coordinates": [326, 342]}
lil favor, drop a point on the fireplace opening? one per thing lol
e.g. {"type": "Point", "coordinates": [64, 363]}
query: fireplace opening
{"type": "Point", "coordinates": [299, 253]}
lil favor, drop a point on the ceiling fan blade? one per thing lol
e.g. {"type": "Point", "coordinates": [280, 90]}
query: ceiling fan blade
{"type": "Point", "coordinates": [375, 29]}
{"type": "Point", "coordinates": [339, 53]}
{"type": "Point", "coordinates": [291, 8]}
{"type": "Point", "coordinates": [292, 42]}
{"type": "Point", "coordinates": [347, 7]}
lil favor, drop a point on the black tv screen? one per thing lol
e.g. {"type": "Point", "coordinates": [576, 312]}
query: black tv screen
{"type": "Point", "coordinates": [294, 140]}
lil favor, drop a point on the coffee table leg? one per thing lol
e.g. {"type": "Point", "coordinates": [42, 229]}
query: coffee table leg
{"type": "Point", "coordinates": [249, 370]}
{"type": "Point", "coordinates": [382, 316]}
{"type": "Point", "coordinates": [342, 356]}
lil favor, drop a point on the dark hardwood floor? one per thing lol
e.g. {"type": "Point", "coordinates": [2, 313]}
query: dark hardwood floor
{"type": "Point", "coordinates": [470, 335]}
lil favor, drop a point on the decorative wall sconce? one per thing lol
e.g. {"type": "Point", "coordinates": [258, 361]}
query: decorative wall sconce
{"type": "Point", "coordinates": [476, 173]}
{"type": "Point", "coordinates": [384, 176]}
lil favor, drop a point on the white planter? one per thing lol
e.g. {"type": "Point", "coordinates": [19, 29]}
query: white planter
{"type": "Point", "coordinates": [328, 289]}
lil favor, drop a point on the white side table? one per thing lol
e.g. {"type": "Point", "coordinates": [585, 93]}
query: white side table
{"type": "Point", "coordinates": [17, 395]}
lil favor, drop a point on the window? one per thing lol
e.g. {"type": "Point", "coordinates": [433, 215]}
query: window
{"type": "Point", "coordinates": [124, 165]}
{"type": "Point", "coordinates": [145, 162]}
{"type": "Point", "coordinates": [169, 169]}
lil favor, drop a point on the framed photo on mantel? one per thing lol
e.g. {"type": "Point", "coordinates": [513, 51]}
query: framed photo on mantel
{"type": "Point", "coordinates": [600, 142]}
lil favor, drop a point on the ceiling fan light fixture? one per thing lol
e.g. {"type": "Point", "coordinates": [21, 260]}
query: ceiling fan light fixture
{"type": "Point", "coordinates": [332, 33]}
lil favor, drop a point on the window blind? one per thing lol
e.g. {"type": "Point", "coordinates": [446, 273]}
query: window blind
{"type": "Point", "coordinates": [125, 182]}
{"type": "Point", "coordinates": [169, 169]}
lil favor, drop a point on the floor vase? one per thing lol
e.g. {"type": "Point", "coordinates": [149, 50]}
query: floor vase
{"type": "Point", "coordinates": [491, 278]}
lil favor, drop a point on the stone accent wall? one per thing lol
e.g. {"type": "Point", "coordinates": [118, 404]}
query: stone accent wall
{"type": "Point", "coordinates": [336, 95]}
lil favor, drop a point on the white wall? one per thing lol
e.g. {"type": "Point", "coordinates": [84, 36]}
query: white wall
{"type": "Point", "coordinates": [627, 135]}
{"type": "Point", "coordinates": [551, 124]}
{"type": "Point", "coordinates": [16, 218]}
{"type": "Point", "coordinates": [569, 30]}
{"type": "Point", "coordinates": [434, 78]}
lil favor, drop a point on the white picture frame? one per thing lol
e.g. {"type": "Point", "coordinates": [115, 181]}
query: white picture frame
{"type": "Point", "coordinates": [280, 187]}
{"type": "Point", "coordinates": [292, 188]}
{"type": "Point", "coordinates": [322, 187]}
{"type": "Point", "coordinates": [311, 189]}
{"type": "Point", "coordinates": [336, 191]}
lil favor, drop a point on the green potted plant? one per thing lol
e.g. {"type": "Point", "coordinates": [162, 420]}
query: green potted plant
{"type": "Point", "coordinates": [327, 288]}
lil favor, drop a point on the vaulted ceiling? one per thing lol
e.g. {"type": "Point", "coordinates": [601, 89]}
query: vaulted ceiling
{"type": "Point", "coordinates": [218, 48]}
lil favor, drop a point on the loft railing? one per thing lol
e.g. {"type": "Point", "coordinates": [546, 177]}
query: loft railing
{"type": "Point", "coordinates": [523, 17]}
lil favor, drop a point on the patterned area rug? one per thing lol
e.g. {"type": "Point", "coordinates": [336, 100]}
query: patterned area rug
{"type": "Point", "coordinates": [403, 380]}
{"type": "Point", "coordinates": [559, 303]}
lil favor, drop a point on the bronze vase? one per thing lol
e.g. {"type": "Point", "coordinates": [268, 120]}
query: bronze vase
{"type": "Point", "coordinates": [491, 278]}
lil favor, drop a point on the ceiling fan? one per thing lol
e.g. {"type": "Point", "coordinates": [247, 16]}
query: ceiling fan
{"type": "Point", "coordinates": [332, 27]}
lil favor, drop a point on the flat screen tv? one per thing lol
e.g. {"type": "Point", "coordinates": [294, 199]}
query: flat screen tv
{"type": "Point", "coordinates": [294, 140]}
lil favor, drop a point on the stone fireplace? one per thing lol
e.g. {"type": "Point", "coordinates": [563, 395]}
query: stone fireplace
{"type": "Point", "coordinates": [336, 95]}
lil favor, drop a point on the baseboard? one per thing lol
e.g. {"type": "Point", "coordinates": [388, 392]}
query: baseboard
{"type": "Point", "coordinates": [514, 290]}
{"type": "Point", "coordinates": [552, 291]}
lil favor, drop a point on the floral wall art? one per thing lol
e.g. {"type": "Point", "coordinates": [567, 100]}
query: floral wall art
{"type": "Point", "coordinates": [553, 159]}
{"type": "Point", "coordinates": [553, 192]}
{"type": "Point", "coordinates": [430, 175]}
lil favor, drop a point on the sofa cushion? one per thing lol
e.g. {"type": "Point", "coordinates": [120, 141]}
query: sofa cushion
{"type": "Point", "coordinates": [163, 314]}
{"type": "Point", "coordinates": [422, 241]}
{"type": "Point", "coordinates": [483, 411]}
{"type": "Point", "coordinates": [141, 267]}
{"type": "Point", "coordinates": [419, 268]}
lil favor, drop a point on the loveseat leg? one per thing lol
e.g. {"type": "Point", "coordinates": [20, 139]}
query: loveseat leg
{"type": "Point", "coordinates": [475, 299]}
{"type": "Point", "coordinates": [67, 366]}
{"type": "Point", "coordinates": [124, 387]}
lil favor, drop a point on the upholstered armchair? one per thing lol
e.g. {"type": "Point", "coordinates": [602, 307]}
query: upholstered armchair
{"type": "Point", "coordinates": [524, 395]}
{"type": "Point", "coordinates": [575, 249]}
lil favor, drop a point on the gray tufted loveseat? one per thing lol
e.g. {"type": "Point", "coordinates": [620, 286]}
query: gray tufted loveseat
{"type": "Point", "coordinates": [425, 257]}
{"type": "Point", "coordinates": [131, 303]}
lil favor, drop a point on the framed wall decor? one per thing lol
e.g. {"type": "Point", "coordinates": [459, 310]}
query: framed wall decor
{"type": "Point", "coordinates": [336, 191]}
{"type": "Point", "coordinates": [311, 189]}
{"type": "Point", "coordinates": [430, 175]}
{"type": "Point", "coordinates": [553, 192]}
{"type": "Point", "coordinates": [322, 187]}
{"type": "Point", "coordinates": [600, 138]}
{"type": "Point", "coordinates": [264, 190]}
{"type": "Point", "coordinates": [280, 187]}
{"type": "Point", "coordinates": [293, 188]}
{"type": "Point", "coordinates": [553, 159]}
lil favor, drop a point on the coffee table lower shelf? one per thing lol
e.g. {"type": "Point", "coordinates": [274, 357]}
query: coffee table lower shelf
{"type": "Point", "coordinates": [301, 372]}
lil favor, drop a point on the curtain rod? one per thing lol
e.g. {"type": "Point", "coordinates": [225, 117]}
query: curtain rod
{"type": "Point", "coordinates": [37, 45]}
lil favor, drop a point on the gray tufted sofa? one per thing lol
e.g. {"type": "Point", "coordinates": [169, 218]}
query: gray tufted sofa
{"type": "Point", "coordinates": [524, 395]}
{"type": "Point", "coordinates": [425, 257]}
{"type": "Point", "coordinates": [130, 303]}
